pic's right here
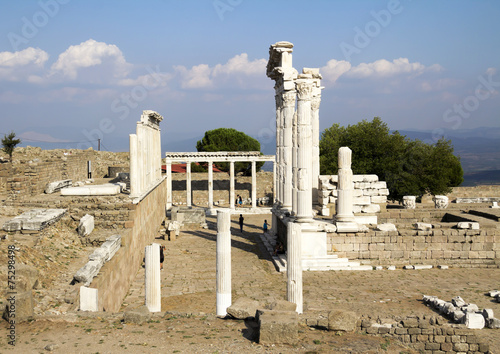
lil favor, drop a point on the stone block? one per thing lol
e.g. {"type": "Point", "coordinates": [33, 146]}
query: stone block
{"type": "Point", "coordinates": [474, 321]}
{"type": "Point", "coordinates": [461, 347]}
{"type": "Point", "coordinates": [139, 315]}
{"type": "Point", "coordinates": [86, 225]}
{"type": "Point", "coordinates": [88, 299]}
{"type": "Point", "coordinates": [86, 273]}
{"type": "Point", "coordinates": [365, 200]}
{"type": "Point", "coordinates": [488, 313]}
{"type": "Point", "coordinates": [23, 306]}
{"type": "Point", "coordinates": [378, 199]}
{"type": "Point", "coordinates": [243, 308]}
{"type": "Point", "coordinates": [57, 186]}
{"type": "Point", "coordinates": [422, 226]}
{"type": "Point", "coordinates": [339, 320]}
{"type": "Point", "coordinates": [278, 327]}
{"type": "Point", "coordinates": [282, 305]}
{"type": "Point", "coordinates": [386, 227]}
{"type": "Point", "coordinates": [493, 323]}
{"type": "Point", "coordinates": [27, 277]}
{"type": "Point", "coordinates": [372, 208]}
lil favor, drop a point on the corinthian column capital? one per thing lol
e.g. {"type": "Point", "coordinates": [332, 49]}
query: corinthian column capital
{"type": "Point", "coordinates": [304, 89]}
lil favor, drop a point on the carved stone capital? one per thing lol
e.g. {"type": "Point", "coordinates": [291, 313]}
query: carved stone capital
{"type": "Point", "coordinates": [288, 98]}
{"type": "Point", "coordinates": [304, 90]}
{"type": "Point", "coordinates": [315, 101]}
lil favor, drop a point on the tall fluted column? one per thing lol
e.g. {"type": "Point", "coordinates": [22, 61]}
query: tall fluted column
{"type": "Point", "coordinates": [315, 144]}
{"type": "Point", "coordinates": [134, 167]}
{"type": "Point", "coordinates": [232, 198]}
{"type": "Point", "coordinates": [210, 185]}
{"type": "Point", "coordinates": [278, 144]}
{"type": "Point", "coordinates": [223, 265]}
{"type": "Point", "coordinates": [152, 270]}
{"type": "Point", "coordinates": [287, 112]}
{"type": "Point", "coordinates": [274, 182]}
{"type": "Point", "coordinates": [254, 185]}
{"type": "Point", "coordinates": [294, 164]}
{"type": "Point", "coordinates": [294, 265]}
{"type": "Point", "coordinates": [188, 183]}
{"type": "Point", "coordinates": [345, 186]}
{"type": "Point", "coordinates": [169, 184]}
{"type": "Point", "coordinates": [304, 149]}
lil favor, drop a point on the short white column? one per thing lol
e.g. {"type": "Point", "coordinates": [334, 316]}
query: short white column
{"type": "Point", "coordinates": [188, 183]}
{"type": "Point", "coordinates": [169, 184]}
{"type": "Point", "coordinates": [254, 185]}
{"type": "Point", "coordinates": [304, 150]}
{"type": "Point", "coordinates": [134, 172]}
{"type": "Point", "coordinates": [152, 270]}
{"type": "Point", "coordinates": [210, 185]}
{"type": "Point", "coordinates": [232, 198]}
{"type": "Point", "coordinates": [294, 265]}
{"type": "Point", "coordinates": [345, 186]}
{"type": "Point", "coordinates": [223, 265]}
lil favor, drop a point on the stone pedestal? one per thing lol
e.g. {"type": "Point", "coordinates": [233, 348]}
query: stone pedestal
{"type": "Point", "coordinates": [223, 265]}
{"type": "Point", "coordinates": [152, 270]}
{"type": "Point", "coordinates": [346, 187]}
{"type": "Point", "coordinates": [409, 202]}
{"type": "Point", "coordinates": [294, 265]}
{"type": "Point", "coordinates": [440, 201]}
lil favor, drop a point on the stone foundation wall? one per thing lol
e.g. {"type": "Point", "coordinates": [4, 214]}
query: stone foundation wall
{"type": "Point", "coordinates": [199, 187]}
{"type": "Point", "coordinates": [465, 248]}
{"type": "Point", "coordinates": [425, 336]}
{"type": "Point", "coordinates": [116, 275]}
{"type": "Point", "coordinates": [478, 191]}
{"type": "Point", "coordinates": [368, 190]}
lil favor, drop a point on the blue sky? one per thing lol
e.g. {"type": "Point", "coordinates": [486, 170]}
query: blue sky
{"type": "Point", "coordinates": [74, 70]}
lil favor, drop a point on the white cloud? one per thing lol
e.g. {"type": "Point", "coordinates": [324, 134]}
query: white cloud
{"type": "Point", "coordinates": [237, 71]}
{"type": "Point", "coordinates": [334, 69]}
{"type": "Point", "coordinates": [385, 68]}
{"type": "Point", "coordinates": [22, 65]}
{"type": "Point", "coordinates": [106, 60]}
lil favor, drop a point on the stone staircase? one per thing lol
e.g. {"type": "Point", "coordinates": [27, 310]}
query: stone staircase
{"type": "Point", "coordinates": [328, 262]}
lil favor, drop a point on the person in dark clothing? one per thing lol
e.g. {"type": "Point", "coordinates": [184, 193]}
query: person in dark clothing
{"type": "Point", "coordinates": [162, 257]}
{"type": "Point", "coordinates": [266, 226]}
{"type": "Point", "coordinates": [241, 222]}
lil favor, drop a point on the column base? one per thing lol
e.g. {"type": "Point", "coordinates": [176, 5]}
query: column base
{"type": "Point", "coordinates": [223, 302]}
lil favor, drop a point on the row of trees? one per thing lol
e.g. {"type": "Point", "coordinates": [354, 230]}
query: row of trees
{"type": "Point", "coordinates": [410, 167]}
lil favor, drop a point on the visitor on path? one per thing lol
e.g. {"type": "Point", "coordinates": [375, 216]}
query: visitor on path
{"type": "Point", "coordinates": [241, 222]}
{"type": "Point", "coordinates": [265, 227]}
{"type": "Point", "coordinates": [237, 200]}
{"type": "Point", "coordinates": [279, 249]}
{"type": "Point", "coordinates": [162, 257]}
{"type": "Point", "coordinates": [240, 201]}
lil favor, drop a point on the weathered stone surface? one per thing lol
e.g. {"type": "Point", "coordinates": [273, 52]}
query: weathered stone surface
{"type": "Point", "coordinates": [339, 320]}
{"type": "Point", "coordinates": [86, 273]}
{"type": "Point", "coordinates": [35, 219]}
{"type": "Point", "coordinates": [243, 308]}
{"type": "Point", "coordinates": [27, 277]}
{"type": "Point", "coordinates": [409, 202]}
{"type": "Point", "coordinates": [86, 225]}
{"type": "Point", "coordinates": [422, 226]}
{"type": "Point", "coordinates": [100, 189]}
{"type": "Point", "coordinates": [474, 320]}
{"type": "Point", "coordinates": [278, 327]}
{"type": "Point", "coordinates": [23, 306]}
{"type": "Point", "coordinates": [88, 299]}
{"type": "Point", "coordinates": [440, 201]}
{"type": "Point", "coordinates": [468, 225]}
{"type": "Point", "coordinates": [57, 185]}
{"type": "Point", "coordinates": [458, 301]}
{"type": "Point", "coordinates": [493, 323]}
{"type": "Point", "coordinates": [282, 305]}
{"type": "Point", "coordinates": [488, 313]}
{"type": "Point", "coordinates": [139, 315]}
{"type": "Point", "coordinates": [386, 227]}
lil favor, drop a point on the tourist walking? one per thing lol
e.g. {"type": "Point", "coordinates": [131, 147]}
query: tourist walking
{"type": "Point", "coordinates": [241, 222]}
{"type": "Point", "coordinates": [265, 227]}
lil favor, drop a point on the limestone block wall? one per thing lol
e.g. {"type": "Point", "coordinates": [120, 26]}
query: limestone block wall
{"type": "Point", "coordinates": [441, 245]}
{"type": "Point", "coordinates": [472, 192]}
{"type": "Point", "coordinates": [199, 187]}
{"type": "Point", "coordinates": [115, 277]}
{"type": "Point", "coordinates": [368, 190]}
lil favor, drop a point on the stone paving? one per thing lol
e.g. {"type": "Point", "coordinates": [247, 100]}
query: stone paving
{"type": "Point", "coordinates": [188, 278]}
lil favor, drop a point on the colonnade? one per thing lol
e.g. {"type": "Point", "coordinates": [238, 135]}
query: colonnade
{"type": "Point", "coordinates": [145, 153]}
{"type": "Point", "coordinates": [298, 97]}
{"type": "Point", "coordinates": [211, 158]}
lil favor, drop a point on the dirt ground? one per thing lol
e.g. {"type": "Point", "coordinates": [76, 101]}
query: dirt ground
{"type": "Point", "coordinates": [190, 325]}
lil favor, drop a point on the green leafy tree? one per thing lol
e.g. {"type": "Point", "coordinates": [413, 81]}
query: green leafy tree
{"type": "Point", "coordinates": [410, 167]}
{"type": "Point", "coordinates": [228, 139]}
{"type": "Point", "coordinates": [9, 143]}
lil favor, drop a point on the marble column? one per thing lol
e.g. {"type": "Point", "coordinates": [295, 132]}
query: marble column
{"type": "Point", "coordinates": [223, 262]}
{"type": "Point", "coordinates": [288, 111]}
{"type": "Point", "coordinates": [134, 172]}
{"type": "Point", "coordinates": [232, 197]}
{"type": "Point", "coordinates": [294, 165]}
{"type": "Point", "coordinates": [294, 265]}
{"type": "Point", "coordinates": [279, 132]}
{"type": "Point", "coordinates": [188, 183]}
{"type": "Point", "coordinates": [304, 148]}
{"type": "Point", "coordinates": [169, 184]}
{"type": "Point", "coordinates": [254, 184]}
{"type": "Point", "coordinates": [210, 185]}
{"type": "Point", "coordinates": [274, 182]}
{"type": "Point", "coordinates": [345, 186]}
{"type": "Point", "coordinates": [152, 270]}
{"type": "Point", "coordinates": [315, 144]}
